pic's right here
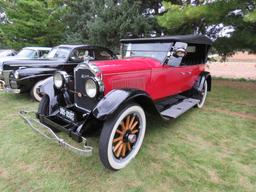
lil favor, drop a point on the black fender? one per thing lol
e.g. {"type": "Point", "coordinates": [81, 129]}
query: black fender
{"type": "Point", "coordinates": [204, 76]}
{"type": "Point", "coordinates": [28, 77]}
{"type": "Point", "coordinates": [115, 99]}
{"type": "Point", "coordinates": [35, 73]}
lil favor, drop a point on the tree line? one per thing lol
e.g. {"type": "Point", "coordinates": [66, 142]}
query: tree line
{"type": "Point", "coordinates": [230, 23]}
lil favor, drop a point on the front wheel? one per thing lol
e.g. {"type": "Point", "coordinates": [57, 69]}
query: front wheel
{"type": "Point", "coordinates": [122, 137]}
{"type": "Point", "coordinates": [35, 91]}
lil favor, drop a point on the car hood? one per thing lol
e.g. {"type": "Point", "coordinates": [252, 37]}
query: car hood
{"type": "Point", "coordinates": [30, 63]}
{"type": "Point", "coordinates": [126, 65]}
{"type": "Point", "coordinates": [9, 58]}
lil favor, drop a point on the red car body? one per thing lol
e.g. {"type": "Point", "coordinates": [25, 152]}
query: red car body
{"type": "Point", "coordinates": [148, 75]}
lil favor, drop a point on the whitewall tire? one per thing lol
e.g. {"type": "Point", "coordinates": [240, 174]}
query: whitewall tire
{"type": "Point", "coordinates": [35, 91]}
{"type": "Point", "coordinates": [122, 137]}
{"type": "Point", "coordinates": [203, 95]}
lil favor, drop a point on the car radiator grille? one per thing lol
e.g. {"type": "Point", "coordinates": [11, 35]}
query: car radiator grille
{"type": "Point", "coordinates": [83, 102]}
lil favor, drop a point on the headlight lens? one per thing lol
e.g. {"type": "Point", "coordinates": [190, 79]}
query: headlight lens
{"type": "Point", "coordinates": [91, 88]}
{"type": "Point", "coordinates": [58, 80]}
{"type": "Point", "coordinates": [16, 74]}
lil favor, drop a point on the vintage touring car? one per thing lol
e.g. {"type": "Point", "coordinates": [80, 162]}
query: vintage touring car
{"type": "Point", "coordinates": [164, 76]}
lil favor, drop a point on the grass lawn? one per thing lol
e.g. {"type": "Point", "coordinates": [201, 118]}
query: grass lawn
{"type": "Point", "coordinates": [212, 149]}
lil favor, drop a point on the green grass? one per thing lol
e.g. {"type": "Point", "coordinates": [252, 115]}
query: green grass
{"type": "Point", "coordinates": [212, 149]}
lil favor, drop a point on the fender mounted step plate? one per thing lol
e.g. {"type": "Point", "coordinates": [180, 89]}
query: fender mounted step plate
{"type": "Point", "coordinates": [180, 108]}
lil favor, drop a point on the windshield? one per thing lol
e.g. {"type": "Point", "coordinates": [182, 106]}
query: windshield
{"type": "Point", "coordinates": [59, 53]}
{"type": "Point", "coordinates": [27, 53]}
{"type": "Point", "coordinates": [4, 52]}
{"type": "Point", "coordinates": [154, 50]}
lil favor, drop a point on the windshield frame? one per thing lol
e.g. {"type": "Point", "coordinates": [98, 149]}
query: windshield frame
{"type": "Point", "coordinates": [168, 45]}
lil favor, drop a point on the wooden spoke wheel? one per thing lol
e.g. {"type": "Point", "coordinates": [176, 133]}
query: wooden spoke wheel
{"type": "Point", "coordinates": [126, 136]}
{"type": "Point", "coordinates": [202, 95]}
{"type": "Point", "coordinates": [122, 137]}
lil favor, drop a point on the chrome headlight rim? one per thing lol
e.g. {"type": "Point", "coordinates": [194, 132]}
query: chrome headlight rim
{"type": "Point", "coordinates": [60, 78]}
{"type": "Point", "coordinates": [91, 79]}
{"type": "Point", "coordinates": [16, 74]}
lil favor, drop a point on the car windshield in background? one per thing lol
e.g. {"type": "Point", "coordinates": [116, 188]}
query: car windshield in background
{"type": "Point", "coordinates": [4, 53]}
{"type": "Point", "coordinates": [26, 53]}
{"type": "Point", "coordinates": [154, 50]}
{"type": "Point", "coordinates": [59, 53]}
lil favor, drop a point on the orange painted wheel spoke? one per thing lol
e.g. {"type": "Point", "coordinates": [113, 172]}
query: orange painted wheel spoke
{"type": "Point", "coordinates": [124, 150]}
{"type": "Point", "coordinates": [119, 150]}
{"type": "Point", "coordinates": [134, 125]}
{"type": "Point", "coordinates": [129, 146]}
{"type": "Point", "coordinates": [131, 122]}
{"type": "Point", "coordinates": [135, 131]}
{"type": "Point", "coordinates": [127, 122]}
{"type": "Point", "coordinates": [123, 126]}
{"type": "Point", "coordinates": [120, 132]}
{"type": "Point", "coordinates": [117, 139]}
{"type": "Point", "coordinates": [118, 145]}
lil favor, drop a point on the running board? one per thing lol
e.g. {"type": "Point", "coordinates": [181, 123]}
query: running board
{"type": "Point", "coordinates": [180, 108]}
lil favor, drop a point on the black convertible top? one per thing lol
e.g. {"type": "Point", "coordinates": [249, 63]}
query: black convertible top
{"type": "Point", "coordinates": [195, 39]}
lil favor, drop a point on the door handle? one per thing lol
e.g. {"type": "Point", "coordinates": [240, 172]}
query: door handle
{"type": "Point", "coordinates": [186, 73]}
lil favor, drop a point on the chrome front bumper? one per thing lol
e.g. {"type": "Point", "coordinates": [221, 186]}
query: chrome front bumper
{"type": "Point", "coordinates": [10, 90]}
{"type": "Point", "coordinates": [30, 119]}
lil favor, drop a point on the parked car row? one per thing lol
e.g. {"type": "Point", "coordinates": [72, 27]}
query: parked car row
{"type": "Point", "coordinates": [86, 88]}
{"type": "Point", "coordinates": [27, 75]}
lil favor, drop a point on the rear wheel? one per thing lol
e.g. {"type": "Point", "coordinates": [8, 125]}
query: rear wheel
{"type": "Point", "coordinates": [122, 137]}
{"type": "Point", "coordinates": [202, 95]}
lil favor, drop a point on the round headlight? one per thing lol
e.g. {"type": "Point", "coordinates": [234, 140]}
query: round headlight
{"type": "Point", "coordinates": [91, 88]}
{"type": "Point", "coordinates": [16, 74]}
{"type": "Point", "coordinates": [58, 80]}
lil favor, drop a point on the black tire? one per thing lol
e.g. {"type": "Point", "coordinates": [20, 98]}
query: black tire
{"type": "Point", "coordinates": [43, 109]}
{"type": "Point", "coordinates": [203, 95]}
{"type": "Point", "coordinates": [108, 133]}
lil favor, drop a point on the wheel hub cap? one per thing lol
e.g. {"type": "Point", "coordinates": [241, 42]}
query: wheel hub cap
{"type": "Point", "coordinates": [132, 138]}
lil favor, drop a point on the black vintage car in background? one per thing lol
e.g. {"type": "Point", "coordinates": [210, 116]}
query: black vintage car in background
{"type": "Point", "coordinates": [27, 75]}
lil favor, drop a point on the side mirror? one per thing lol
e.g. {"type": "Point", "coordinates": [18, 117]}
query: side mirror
{"type": "Point", "coordinates": [72, 58]}
{"type": "Point", "coordinates": [75, 60]}
{"type": "Point", "coordinates": [179, 52]}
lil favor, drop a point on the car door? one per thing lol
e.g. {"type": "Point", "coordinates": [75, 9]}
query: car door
{"type": "Point", "coordinates": [168, 79]}
{"type": "Point", "coordinates": [193, 63]}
